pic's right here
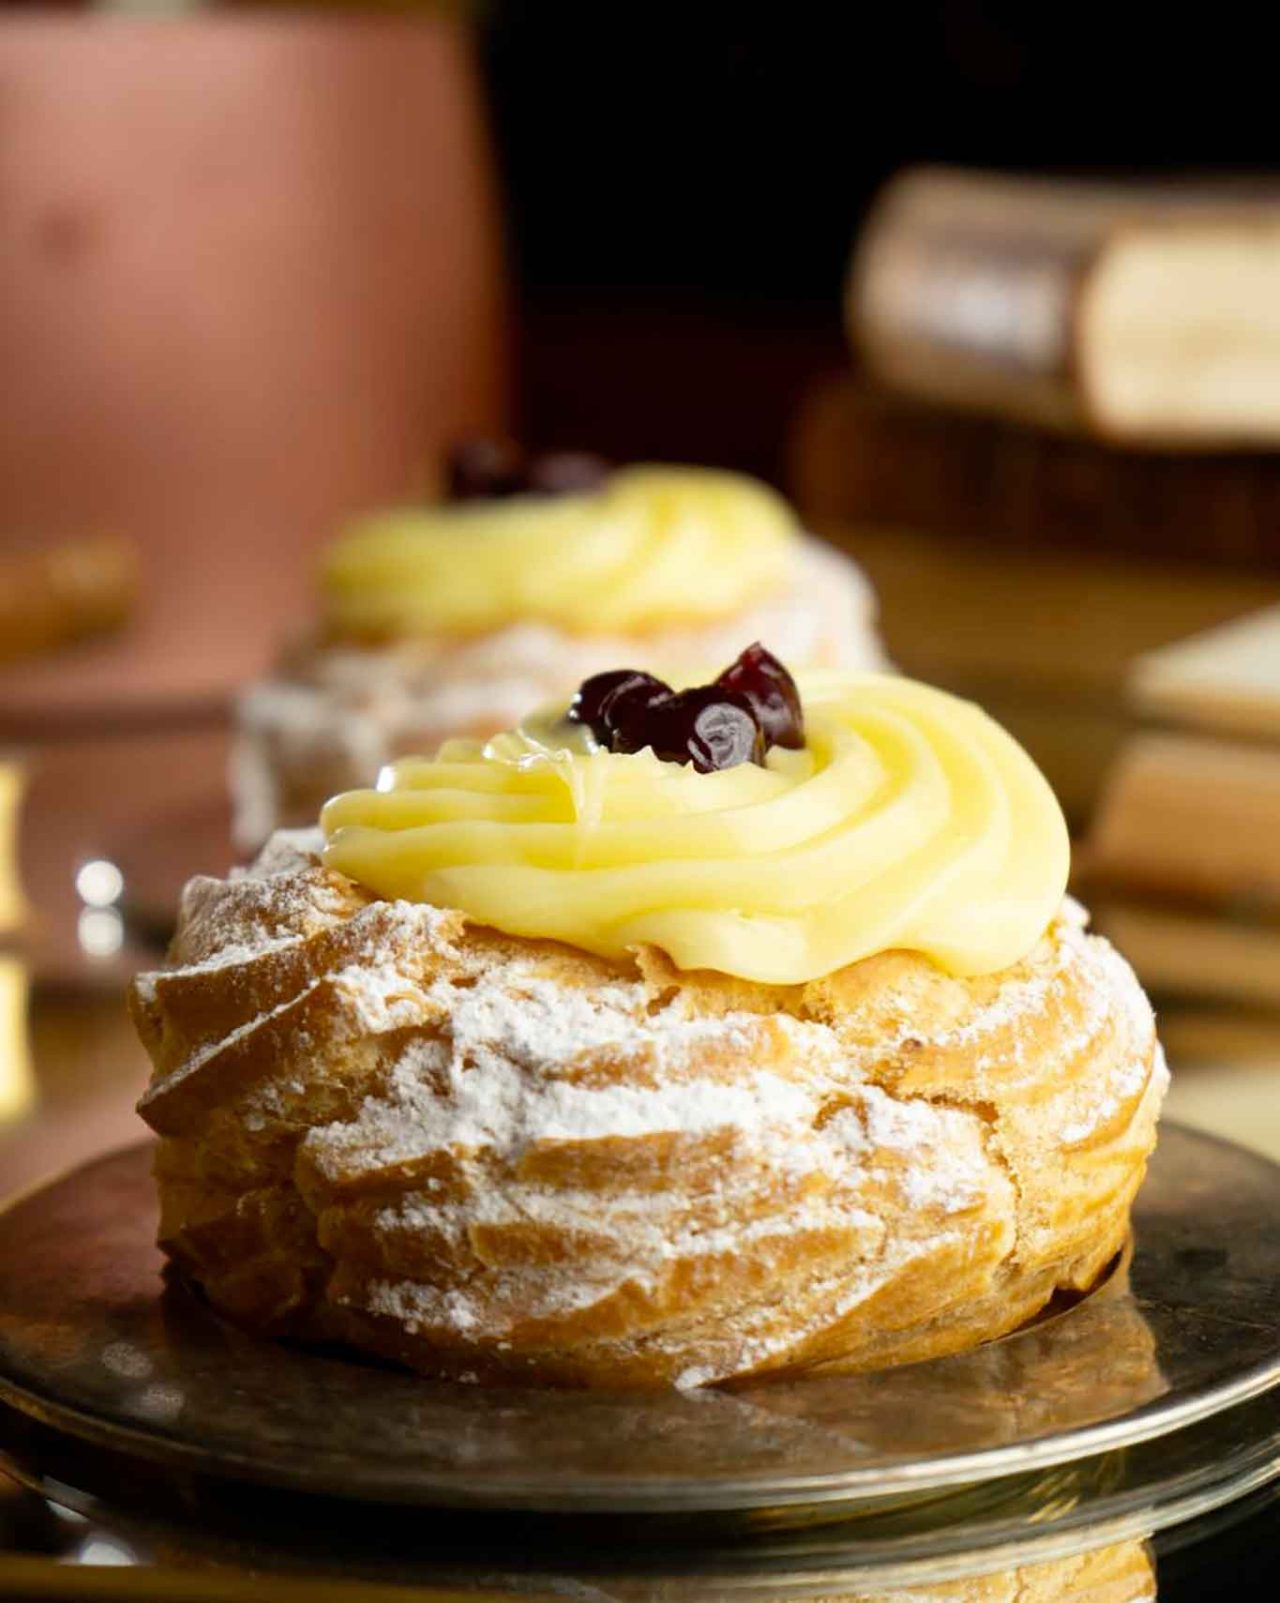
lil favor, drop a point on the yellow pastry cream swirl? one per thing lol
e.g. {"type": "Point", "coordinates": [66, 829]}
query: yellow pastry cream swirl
{"type": "Point", "coordinates": [909, 819]}
{"type": "Point", "coordinates": [655, 547]}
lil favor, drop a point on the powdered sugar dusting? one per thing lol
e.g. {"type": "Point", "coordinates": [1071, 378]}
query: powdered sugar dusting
{"type": "Point", "coordinates": [285, 852]}
{"type": "Point", "coordinates": [539, 1144]}
{"type": "Point", "coordinates": [491, 1080]}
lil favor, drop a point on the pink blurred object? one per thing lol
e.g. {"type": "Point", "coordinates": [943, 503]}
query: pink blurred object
{"type": "Point", "coordinates": [250, 279]}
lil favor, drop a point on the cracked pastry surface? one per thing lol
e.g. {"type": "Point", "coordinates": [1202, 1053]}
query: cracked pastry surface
{"type": "Point", "coordinates": [490, 1156]}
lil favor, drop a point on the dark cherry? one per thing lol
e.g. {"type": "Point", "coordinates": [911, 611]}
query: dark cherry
{"type": "Point", "coordinates": [566, 473]}
{"type": "Point", "coordinates": [709, 727]}
{"type": "Point", "coordinates": [771, 693]}
{"type": "Point", "coordinates": [606, 701]}
{"type": "Point", "coordinates": [485, 470]}
{"type": "Point", "coordinates": [753, 705]}
{"type": "Point", "coordinates": [488, 470]}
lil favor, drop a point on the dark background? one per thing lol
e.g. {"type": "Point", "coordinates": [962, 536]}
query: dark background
{"type": "Point", "coordinates": [708, 166]}
{"type": "Point", "coordinates": [669, 147]}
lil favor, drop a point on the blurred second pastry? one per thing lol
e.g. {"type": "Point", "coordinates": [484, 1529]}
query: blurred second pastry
{"type": "Point", "coordinates": [534, 573]}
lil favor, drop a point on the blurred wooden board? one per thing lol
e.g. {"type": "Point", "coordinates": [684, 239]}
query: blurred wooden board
{"type": "Point", "coordinates": [1227, 678]}
{"type": "Point", "coordinates": [1195, 955]}
{"type": "Point", "coordinates": [1235, 1097]}
{"type": "Point", "coordinates": [860, 455]}
{"type": "Point", "coordinates": [1193, 817]}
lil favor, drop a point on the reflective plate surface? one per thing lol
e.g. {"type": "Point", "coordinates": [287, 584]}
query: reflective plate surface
{"type": "Point", "coordinates": [93, 1343]}
{"type": "Point", "coordinates": [1209, 1474]}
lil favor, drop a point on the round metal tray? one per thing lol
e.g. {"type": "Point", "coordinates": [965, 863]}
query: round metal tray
{"type": "Point", "coordinates": [1198, 1480]}
{"type": "Point", "coordinates": [93, 1343]}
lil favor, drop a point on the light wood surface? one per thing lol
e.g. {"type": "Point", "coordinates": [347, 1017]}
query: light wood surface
{"type": "Point", "coordinates": [1226, 680]}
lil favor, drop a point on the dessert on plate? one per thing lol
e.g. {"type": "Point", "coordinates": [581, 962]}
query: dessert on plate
{"type": "Point", "coordinates": [671, 1037]}
{"type": "Point", "coordinates": [456, 618]}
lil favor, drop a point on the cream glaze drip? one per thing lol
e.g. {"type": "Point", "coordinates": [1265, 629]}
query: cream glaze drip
{"type": "Point", "coordinates": [910, 820]}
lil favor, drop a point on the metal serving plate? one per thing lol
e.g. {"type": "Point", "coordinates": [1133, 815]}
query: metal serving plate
{"type": "Point", "coordinates": [97, 1503]}
{"type": "Point", "coordinates": [94, 1344]}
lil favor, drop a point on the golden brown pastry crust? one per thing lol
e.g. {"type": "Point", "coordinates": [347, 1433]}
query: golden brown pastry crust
{"type": "Point", "coordinates": [493, 1157]}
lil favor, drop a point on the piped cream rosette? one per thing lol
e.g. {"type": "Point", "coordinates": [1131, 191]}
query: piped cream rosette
{"type": "Point", "coordinates": [909, 821]}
